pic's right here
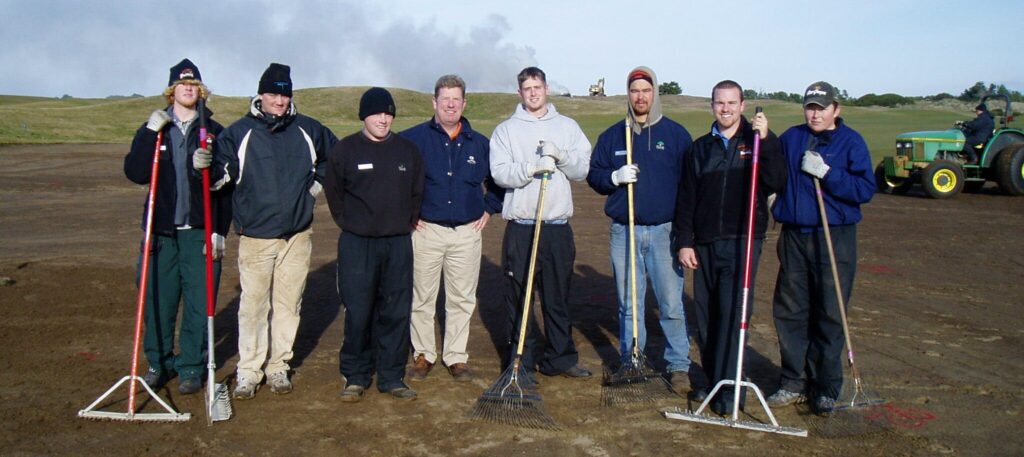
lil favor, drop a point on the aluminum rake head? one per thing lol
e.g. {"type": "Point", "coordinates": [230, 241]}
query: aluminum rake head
{"type": "Point", "coordinates": [513, 400]}
{"type": "Point", "coordinates": [169, 414]}
{"type": "Point", "coordinates": [218, 404]}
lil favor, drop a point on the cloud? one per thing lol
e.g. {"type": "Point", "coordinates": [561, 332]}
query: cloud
{"type": "Point", "coordinates": [95, 49]}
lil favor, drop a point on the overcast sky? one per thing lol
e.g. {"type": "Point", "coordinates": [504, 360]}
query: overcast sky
{"type": "Point", "coordinates": [911, 47]}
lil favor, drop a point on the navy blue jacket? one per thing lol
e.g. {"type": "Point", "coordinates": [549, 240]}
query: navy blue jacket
{"type": "Point", "coordinates": [658, 151]}
{"type": "Point", "coordinates": [138, 167]}
{"type": "Point", "coordinates": [714, 194]}
{"type": "Point", "coordinates": [979, 130]}
{"type": "Point", "coordinates": [849, 183]}
{"type": "Point", "coordinates": [455, 169]}
{"type": "Point", "coordinates": [273, 164]}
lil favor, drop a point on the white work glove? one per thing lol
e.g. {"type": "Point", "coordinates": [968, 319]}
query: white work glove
{"type": "Point", "coordinates": [544, 165]}
{"type": "Point", "coordinates": [217, 240]}
{"type": "Point", "coordinates": [625, 175]}
{"type": "Point", "coordinates": [814, 165]}
{"type": "Point", "coordinates": [760, 124]}
{"type": "Point", "coordinates": [158, 120]}
{"type": "Point", "coordinates": [202, 158]}
{"type": "Point", "coordinates": [315, 189]}
{"type": "Point", "coordinates": [549, 149]}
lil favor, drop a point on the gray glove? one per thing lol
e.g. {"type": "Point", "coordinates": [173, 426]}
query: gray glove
{"type": "Point", "coordinates": [202, 158]}
{"type": "Point", "coordinates": [217, 240]}
{"type": "Point", "coordinates": [544, 165]}
{"type": "Point", "coordinates": [814, 165]}
{"type": "Point", "coordinates": [549, 149]}
{"type": "Point", "coordinates": [625, 175]}
{"type": "Point", "coordinates": [157, 120]}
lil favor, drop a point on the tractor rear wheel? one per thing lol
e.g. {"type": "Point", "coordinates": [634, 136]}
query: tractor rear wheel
{"type": "Point", "coordinates": [942, 179]}
{"type": "Point", "coordinates": [1010, 170]}
{"type": "Point", "coordinates": [890, 184]}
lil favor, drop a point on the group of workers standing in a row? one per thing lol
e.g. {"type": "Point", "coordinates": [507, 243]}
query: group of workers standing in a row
{"type": "Point", "coordinates": [412, 206]}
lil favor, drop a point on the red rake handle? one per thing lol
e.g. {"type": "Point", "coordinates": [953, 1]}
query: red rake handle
{"type": "Point", "coordinates": [147, 242]}
{"type": "Point", "coordinates": [207, 213]}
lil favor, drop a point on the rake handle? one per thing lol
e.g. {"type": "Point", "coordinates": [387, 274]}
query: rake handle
{"type": "Point", "coordinates": [533, 264]}
{"type": "Point", "coordinates": [147, 241]}
{"type": "Point", "coordinates": [835, 275]}
{"type": "Point", "coordinates": [632, 238]}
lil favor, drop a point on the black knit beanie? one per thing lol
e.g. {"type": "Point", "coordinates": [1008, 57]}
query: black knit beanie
{"type": "Point", "coordinates": [276, 80]}
{"type": "Point", "coordinates": [376, 100]}
{"type": "Point", "coordinates": [184, 70]}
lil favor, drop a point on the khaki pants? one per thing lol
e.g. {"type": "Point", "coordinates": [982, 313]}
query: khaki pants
{"type": "Point", "coordinates": [456, 252]}
{"type": "Point", "coordinates": [273, 276]}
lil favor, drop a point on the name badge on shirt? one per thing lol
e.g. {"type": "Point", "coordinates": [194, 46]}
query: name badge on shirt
{"type": "Point", "coordinates": [365, 166]}
{"type": "Point", "coordinates": [620, 153]}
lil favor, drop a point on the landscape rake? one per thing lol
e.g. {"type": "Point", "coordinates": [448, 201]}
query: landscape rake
{"type": "Point", "coordinates": [218, 401]}
{"type": "Point", "coordinates": [513, 399]}
{"type": "Point", "coordinates": [636, 381]}
{"type": "Point", "coordinates": [170, 415]}
{"type": "Point", "coordinates": [738, 383]}
{"type": "Point", "coordinates": [855, 408]}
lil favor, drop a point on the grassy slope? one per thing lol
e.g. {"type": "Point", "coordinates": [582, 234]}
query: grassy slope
{"type": "Point", "coordinates": [48, 120]}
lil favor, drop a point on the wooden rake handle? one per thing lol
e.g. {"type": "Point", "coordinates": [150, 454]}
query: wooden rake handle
{"type": "Point", "coordinates": [527, 295]}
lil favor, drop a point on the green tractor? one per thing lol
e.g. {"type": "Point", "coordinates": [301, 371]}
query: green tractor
{"type": "Point", "coordinates": [935, 160]}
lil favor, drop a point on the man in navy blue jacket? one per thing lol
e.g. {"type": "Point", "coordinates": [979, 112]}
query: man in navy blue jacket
{"type": "Point", "coordinates": [447, 238]}
{"type": "Point", "coordinates": [275, 159]}
{"type": "Point", "coordinates": [806, 311]}
{"type": "Point", "coordinates": [659, 147]}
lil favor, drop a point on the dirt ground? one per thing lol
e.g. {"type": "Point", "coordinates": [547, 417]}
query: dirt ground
{"type": "Point", "coordinates": [936, 317]}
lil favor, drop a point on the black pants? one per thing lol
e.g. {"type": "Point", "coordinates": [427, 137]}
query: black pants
{"type": "Point", "coordinates": [375, 284]}
{"type": "Point", "coordinates": [555, 256]}
{"type": "Point", "coordinates": [806, 310]}
{"type": "Point", "coordinates": [718, 297]}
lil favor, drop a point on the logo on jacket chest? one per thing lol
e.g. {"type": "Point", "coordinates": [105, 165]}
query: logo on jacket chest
{"type": "Point", "coordinates": [660, 145]}
{"type": "Point", "coordinates": [744, 151]}
{"type": "Point", "coordinates": [401, 167]}
{"type": "Point", "coordinates": [471, 160]}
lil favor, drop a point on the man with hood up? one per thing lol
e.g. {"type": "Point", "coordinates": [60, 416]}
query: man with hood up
{"type": "Point", "coordinates": [659, 146]}
{"type": "Point", "coordinates": [978, 131]}
{"type": "Point", "coordinates": [538, 141]}
{"type": "Point", "coordinates": [275, 158]}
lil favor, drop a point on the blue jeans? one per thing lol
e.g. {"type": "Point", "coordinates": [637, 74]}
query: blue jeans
{"type": "Point", "coordinates": [655, 261]}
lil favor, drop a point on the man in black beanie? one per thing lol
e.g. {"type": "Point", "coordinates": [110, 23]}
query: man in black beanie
{"type": "Point", "coordinates": [977, 132]}
{"type": "Point", "coordinates": [374, 188]}
{"type": "Point", "coordinates": [275, 158]}
{"type": "Point", "coordinates": [178, 270]}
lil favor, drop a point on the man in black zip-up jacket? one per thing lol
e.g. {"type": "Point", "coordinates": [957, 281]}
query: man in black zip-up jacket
{"type": "Point", "coordinates": [178, 264]}
{"type": "Point", "coordinates": [711, 227]}
{"type": "Point", "coordinates": [275, 159]}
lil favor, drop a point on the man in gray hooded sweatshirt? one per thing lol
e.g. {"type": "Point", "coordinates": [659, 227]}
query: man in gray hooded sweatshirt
{"type": "Point", "coordinates": [537, 141]}
{"type": "Point", "coordinates": [659, 145]}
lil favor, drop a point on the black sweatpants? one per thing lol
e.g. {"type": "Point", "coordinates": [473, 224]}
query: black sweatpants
{"type": "Point", "coordinates": [718, 297]}
{"type": "Point", "coordinates": [375, 285]}
{"type": "Point", "coordinates": [806, 310]}
{"type": "Point", "coordinates": [556, 254]}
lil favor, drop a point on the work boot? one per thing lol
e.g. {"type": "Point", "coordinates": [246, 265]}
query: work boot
{"type": "Point", "coordinates": [460, 372]}
{"type": "Point", "coordinates": [403, 392]}
{"type": "Point", "coordinates": [189, 386]}
{"type": "Point", "coordinates": [352, 393]}
{"type": "Point", "coordinates": [575, 371]}
{"type": "Point", "coordinates": [824, 405]}
{"type": "Point", "coordinates": [245, 389]}
{"type": "Point", "coordinates": [783, 397]}
{"type": "Point", "coordinates": [156, 379]}
{"type": "Point", "coordinates": [680, 382]}
{"type": "Point", "coordinates": [279, 383]}
{"type": "Point", "coordinates": [420, 368]}
{"type": "Point", "coordinates": [699, 394]}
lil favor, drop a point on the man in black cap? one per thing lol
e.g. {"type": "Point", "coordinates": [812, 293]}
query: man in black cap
{"type": "Point", "coordinates": [374, 188]}
{"type": "Point", "coordinates": [977, 132]}
{"type": "Point", "coordinates": [275, 158]}
{"type": "Point", "coordinates": [178, 267]}
{"type": "Point", "coordinates": [805, 307]}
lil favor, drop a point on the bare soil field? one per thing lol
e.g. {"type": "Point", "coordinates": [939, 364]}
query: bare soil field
{"type": "Point", "coordinates": [936, 317]}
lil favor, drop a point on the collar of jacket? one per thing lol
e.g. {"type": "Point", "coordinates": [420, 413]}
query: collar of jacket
{"type": "Point", "coordinates": [465, 132]}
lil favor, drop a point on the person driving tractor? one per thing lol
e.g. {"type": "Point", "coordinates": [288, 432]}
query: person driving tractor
{"type": "Point", "coordinates": [978, 132]}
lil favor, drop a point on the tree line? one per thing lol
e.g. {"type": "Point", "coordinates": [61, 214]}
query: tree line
{"type": "Point", "coordinates": [970, 94]}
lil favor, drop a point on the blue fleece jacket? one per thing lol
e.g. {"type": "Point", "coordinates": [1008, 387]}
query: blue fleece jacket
{"type": "Point", "coordinates": [849, 183]}
{"type": "Point", "coordinates": [454, 171]}
{"type": "Point", "coordinates": [658, 152]}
